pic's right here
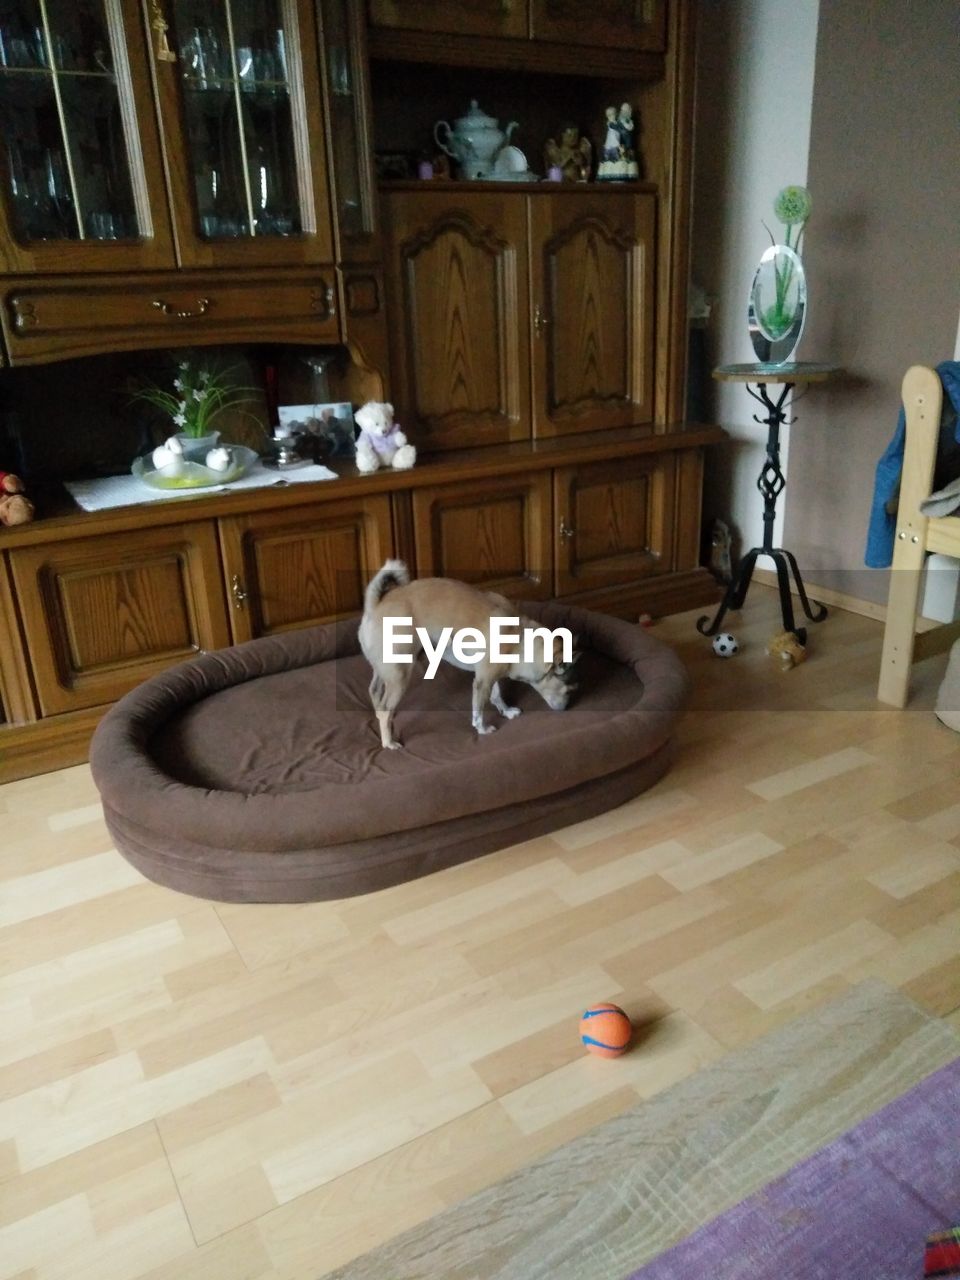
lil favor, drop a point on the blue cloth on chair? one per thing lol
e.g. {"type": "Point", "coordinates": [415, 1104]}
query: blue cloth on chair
{"type": "Point", "coordinates": [883, 523]}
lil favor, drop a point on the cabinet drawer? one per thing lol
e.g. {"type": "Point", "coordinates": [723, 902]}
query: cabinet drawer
{"type": "Point", "coordinates": [102, 614]}
{"type": "Point", "coordinates": [80, 318]}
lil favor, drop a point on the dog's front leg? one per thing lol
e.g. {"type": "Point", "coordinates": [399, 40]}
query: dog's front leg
{"type": "Point", "coordinates": [496, 697]}
{"type": "Point", "coordinates": [481, 696]}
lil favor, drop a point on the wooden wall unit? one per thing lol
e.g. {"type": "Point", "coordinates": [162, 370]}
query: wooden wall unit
{"type": "Point", "coordinates": [532, 337]}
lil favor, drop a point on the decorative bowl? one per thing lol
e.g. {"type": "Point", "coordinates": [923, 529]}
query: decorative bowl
{"type": "Point", "coordinates": [194, 474]}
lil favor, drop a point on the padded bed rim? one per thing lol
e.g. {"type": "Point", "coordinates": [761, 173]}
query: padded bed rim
{"type": "Point", "coordinates": [136, 791]}
{"type": "Point", "coordinates": [356, 867]}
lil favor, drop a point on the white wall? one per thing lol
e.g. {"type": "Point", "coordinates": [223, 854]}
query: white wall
{"type": "Point", "coordinates": [754, 96]}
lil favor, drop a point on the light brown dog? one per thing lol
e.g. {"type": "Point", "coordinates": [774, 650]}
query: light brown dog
{"type": "Point", "coordinates": [440, 608]}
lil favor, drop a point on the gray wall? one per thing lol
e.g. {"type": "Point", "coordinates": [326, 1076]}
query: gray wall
{"type": "Point", "coordinates": [882, 256]}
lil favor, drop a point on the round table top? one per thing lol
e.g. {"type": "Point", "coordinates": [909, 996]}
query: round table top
{"type": "Point", "coordinates": [802, 371]}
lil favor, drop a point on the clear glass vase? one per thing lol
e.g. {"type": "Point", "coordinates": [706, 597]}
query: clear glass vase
{"type": "Point", "coordinates": [196, 448]}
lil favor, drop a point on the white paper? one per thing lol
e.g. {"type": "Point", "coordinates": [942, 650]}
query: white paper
{"type": "Point", "coordinates": [127, 491]}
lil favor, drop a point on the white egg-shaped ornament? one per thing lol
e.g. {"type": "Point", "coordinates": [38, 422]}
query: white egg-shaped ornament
{"type": "Point", "coordinates": [168, 458]}
{"type": "Point", "coordinates": [219, 459]}
{"type": "Point", "coordinates": [725, 645]}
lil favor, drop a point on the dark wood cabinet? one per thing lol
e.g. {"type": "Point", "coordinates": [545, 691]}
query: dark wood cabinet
{"type": "Point", "coordinates": [520, 314]}
{"type": "Point", "coordinates": [457, 271]}
{"type": "Point", "coordinates": [494, 533]}
{"type": "Point", "coordinates": [304, 568]}
{"type": "Point", "coordinates": [591, 285]}
{"type": "Point", "coordinates": [619, 24]}
{"type": "Point", "coordinates": [453, 17]}
{"type": "Point", "coordinates": [614, 522]}
{"type": "Point", "coordinates": [102, 614]}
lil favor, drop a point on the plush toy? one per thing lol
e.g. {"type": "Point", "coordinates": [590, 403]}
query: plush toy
{"type": "Point", "coordinates": [785, 646]}
{"type": "Point", "coordinates": [381, 443]}
{"type": "Point", "coordinates": [15, 506]}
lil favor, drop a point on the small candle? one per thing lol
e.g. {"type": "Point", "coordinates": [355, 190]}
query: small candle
{"type": "Point", "coordinates": [425, 169]}
{"type": "Point", "coordinates": [554, 173]}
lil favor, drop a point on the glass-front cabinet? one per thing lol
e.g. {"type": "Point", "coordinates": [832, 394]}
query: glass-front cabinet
{"type": "Point", "coordinates": [227, 91]}
{"type": "Point", "coordinates": [241, 113]}
{"type": "Point", "coordinates": [82, 180]}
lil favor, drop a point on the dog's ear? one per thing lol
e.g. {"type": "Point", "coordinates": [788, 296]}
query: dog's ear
{"type": "Point", "coordinates": [565, 669]}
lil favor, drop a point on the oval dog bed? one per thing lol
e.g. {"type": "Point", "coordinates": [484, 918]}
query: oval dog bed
{"type": "Point", "coordinates": [255, 774]}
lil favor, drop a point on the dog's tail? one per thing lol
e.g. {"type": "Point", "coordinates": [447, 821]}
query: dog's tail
{"type": "Point", "coordinates": [393, 574]}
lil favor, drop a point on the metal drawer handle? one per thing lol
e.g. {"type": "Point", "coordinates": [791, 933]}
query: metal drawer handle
{"type": "Point", "coordinates": [540, 321]}
{"type": "Point", "coordinates": [168, 309]}
{"type": "Point", "coordinates": [565, 530]}
{"type": "Point", "coordinates": [239, 595]}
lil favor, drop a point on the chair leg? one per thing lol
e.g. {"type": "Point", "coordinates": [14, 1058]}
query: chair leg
{"type": "Point", "coordinates": [900, 630]}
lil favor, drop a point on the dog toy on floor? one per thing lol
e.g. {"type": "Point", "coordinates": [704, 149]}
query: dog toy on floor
{"type": "Point", "coordinates": [15, 506]}
{"type": "Point", "coordinates": [381, 443]}
{"type": "Point", "coordinates": [726, 645]}
{"type": "Point", "coordinates": [605, 1030]}
{"type": "Point", "coordinates": [785, 646]}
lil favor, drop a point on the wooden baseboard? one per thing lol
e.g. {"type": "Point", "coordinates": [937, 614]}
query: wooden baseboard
{"type": "Point", "coordinates": [29, 749]}
{"type": "Point", "coordinates": [840, 600]}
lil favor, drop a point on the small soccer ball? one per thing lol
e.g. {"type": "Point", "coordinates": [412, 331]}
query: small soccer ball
{"type": "Point", "coordinates": [725, 645]}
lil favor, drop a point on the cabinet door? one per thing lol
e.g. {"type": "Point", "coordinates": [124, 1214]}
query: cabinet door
{"type": "Point", "coordinates": [614, 522]}
{"type": "Point", "coordinates": [494, 533]}
{"type": "Point", "coordinates": [101, 614]}
{"type": "Point", "coordinates": [347, 79]}
{"type": "Point", "coordinates": [82, 184]}
{"type": "Point", "coordinates": [592, 268]}
{"type": "Point", "coordinates": [622, 24]}
{"type": "Point", "coordinates": [299, 568]}
{"type": "Point", "coordinates": [244, 134]}
{"type": "Point", "coordinates": [457, 276]}
{"type": "Point", "coordinates": [461, 18]}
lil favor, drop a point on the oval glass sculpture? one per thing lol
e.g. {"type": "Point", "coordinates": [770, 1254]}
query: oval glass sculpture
{"type": "Point", "coordinates": [778, 305]}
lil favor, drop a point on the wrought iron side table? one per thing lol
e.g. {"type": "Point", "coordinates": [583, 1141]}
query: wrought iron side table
{"type": "Point", "coordinates": [770, 482]}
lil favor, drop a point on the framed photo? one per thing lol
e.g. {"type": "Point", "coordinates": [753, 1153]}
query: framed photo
{"type": "Point", "coordinates": [330, 422]}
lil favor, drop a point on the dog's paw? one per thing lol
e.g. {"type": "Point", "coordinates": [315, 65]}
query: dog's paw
{"type": "Point", "coordinates": [511, 713]}
{"type": "Point", "coordinates": [485, 728]}
{"type": "Point", "coordinates": [392, 746]}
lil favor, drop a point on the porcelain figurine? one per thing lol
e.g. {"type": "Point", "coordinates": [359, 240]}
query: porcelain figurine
{"type": "Point", "coordinates": [618, 161]}
{"type": "Point", "coordinates": [572, 155]}
{"type": "Point", "coordinates": [474, 141]}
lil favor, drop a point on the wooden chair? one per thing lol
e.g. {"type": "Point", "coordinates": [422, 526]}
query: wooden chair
{"type": "Point", "coordinates": [916, 535]}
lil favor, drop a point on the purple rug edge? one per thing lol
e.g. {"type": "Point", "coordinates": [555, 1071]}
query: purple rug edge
{"type": "Point", "coordinates": [861, 1206]}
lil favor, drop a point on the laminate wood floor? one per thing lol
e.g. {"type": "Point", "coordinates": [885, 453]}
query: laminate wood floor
{"type": "Point", "coordinates": [195, 1090]}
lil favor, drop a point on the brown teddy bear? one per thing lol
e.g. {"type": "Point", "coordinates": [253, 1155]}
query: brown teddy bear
{"type": "Point", "coordinates": [15, 506]}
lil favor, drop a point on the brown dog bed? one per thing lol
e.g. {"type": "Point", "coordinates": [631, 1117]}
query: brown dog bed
{"type": "Point", "coordinates": [255, 774]}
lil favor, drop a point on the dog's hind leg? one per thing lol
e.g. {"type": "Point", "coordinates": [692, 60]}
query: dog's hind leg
{"type": "Point", "coordinates": [496, 697]}
{"type": "Point", "coordinates": [481, 696]}
{"type": "Point", "coordinates": [386, 690]}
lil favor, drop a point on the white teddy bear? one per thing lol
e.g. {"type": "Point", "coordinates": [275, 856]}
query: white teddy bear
{"type": "Point", "coordinates": [381, 443]}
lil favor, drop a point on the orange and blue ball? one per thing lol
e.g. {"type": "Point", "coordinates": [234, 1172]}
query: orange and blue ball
{"type": "Point", "coordinates": [605, 1030]}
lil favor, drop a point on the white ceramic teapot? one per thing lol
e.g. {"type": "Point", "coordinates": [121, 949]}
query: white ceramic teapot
{"type": "Point", "coordinates": [474, 141]}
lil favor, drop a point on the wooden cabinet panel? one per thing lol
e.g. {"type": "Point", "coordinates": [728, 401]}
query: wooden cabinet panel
{"type": "Point", "coordinates": [101, 614]}
{"type": "Point", "coordinates": [592, 267]}
{"type": "Point", "coordinates": [464, 17]}
{"type": "Point", "coordinates": [614, 522]}
{"type": "Point", "coordinates": [620, 24]}
{"type": "Point", "coordinates": [457, 273]}
{"type": "Point", "coordinates": [91, 315]}
{"type": "Point", "coordinates": [494, 533]}
{"type": "Point", "coordinates": [305, 567]}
